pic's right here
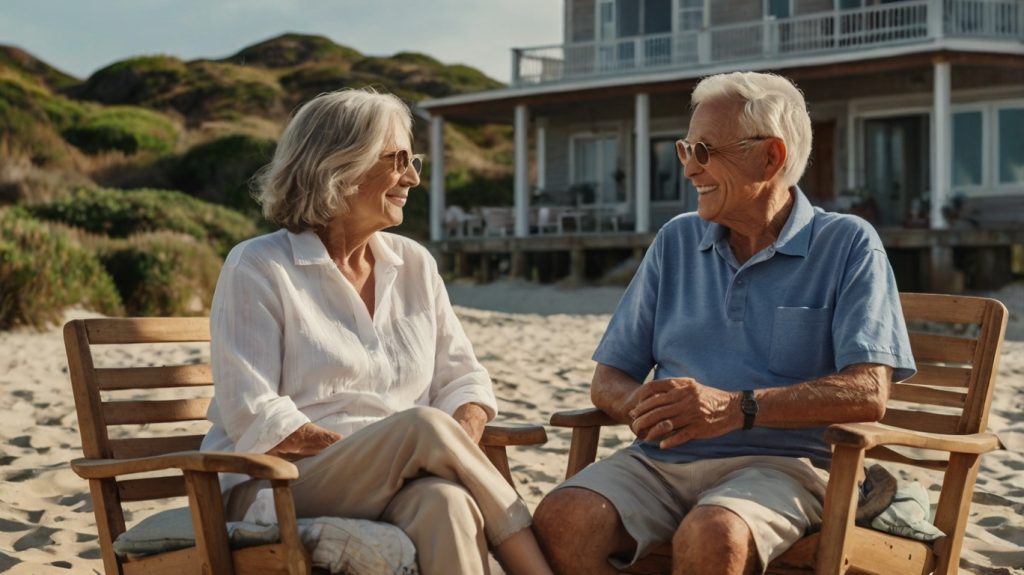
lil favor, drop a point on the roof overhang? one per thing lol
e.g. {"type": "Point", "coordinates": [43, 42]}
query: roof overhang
{"type": "Point", "coordinates": [496, 105]}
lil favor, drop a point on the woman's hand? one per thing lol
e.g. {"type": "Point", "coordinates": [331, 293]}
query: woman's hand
{"type": "Point", "coordinates": [472, 418]}
{"type": "Point", "coordinates": [306, 441]}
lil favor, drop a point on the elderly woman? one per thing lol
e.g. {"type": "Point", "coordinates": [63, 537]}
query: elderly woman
{"type": "Point", "coordinates": [335, 346]}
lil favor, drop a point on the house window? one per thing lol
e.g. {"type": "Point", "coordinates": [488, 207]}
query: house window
{"type": "Point", "coordinates": [778, 8]}
{"type": "Point", "coordinates": [597, 177]}
{"type": "Point", "coordinates": [643, 17]}
{"type": "Point", "coordinates": [967, 163]}
{"type": "Point", "coordinates": [691, 15]}
{"type": "Point", "coordinates": [1011, 146]}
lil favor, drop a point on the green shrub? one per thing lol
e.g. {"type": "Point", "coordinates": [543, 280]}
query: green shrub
{"type": "Point", "coordinates": [219, 171]}
{"type": "Point", "coordinates": [124, 128]}
{"type": "Point", "coordinates": [44, 269]}
{"type": "Point", "coordinates": [141, 80]}
{"type": "Point", "coordinates": [162, 273]}
{"type": "Point", "coordinates": [122, 213]}
{"type": "Point", "coordinates": [30, 117]}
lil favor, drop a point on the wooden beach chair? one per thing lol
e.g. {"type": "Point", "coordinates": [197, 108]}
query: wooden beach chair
{"type": "Point", "coordinates": [109, 460]}
{"type": "Point", "coordinates": [943, 408]}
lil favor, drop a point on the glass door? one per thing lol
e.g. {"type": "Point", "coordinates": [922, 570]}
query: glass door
{"type": "Point", "coordinates": [896, 161]}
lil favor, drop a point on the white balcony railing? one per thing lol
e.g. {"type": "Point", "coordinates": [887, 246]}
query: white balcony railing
{"type": "Point", "coordinates": [821, 33]}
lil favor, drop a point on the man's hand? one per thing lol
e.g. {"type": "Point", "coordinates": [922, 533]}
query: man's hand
{"type": "Point", "coordinates": [678, 410]}
{"type": "Point", "coordinates": [306, 441]}
{"type": "Point", "coordinates": [472, 418]}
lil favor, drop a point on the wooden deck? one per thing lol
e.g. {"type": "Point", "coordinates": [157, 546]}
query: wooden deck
{"type": "Point", "coordinates": [932, 252]}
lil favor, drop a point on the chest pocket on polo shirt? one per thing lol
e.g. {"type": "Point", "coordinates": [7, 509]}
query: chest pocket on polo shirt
{"type": "Point", "coordinates": [801, 345]}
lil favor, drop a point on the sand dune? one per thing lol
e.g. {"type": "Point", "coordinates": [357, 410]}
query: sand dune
{"type": "Point", "coordinates": [540, 364]}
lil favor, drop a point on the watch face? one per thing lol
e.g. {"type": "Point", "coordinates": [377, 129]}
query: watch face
{"type": "Point", "coordinates": [749, 406]}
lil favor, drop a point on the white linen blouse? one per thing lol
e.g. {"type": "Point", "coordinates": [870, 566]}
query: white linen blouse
{"type": "Point", "coordinates": [292, 342]}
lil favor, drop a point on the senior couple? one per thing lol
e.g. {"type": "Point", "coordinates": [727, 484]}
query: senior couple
{"type": "Point", "coordinates": [764, 320]}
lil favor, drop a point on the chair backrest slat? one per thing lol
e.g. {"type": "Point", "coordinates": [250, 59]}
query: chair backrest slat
{"type": "Point", "coordinates": [942, 348]}
{"type": "Point", "coordinates": [149, 446]}
{"type": "Point", "coordinates": [155, 411]}
{"type": "Point", "coordinates": [151, 488]}
{"type": "Point", "coordinates": [148, 330]}
{"type": "Point", "coordinates": [941, 376]}
{"type": "Point", "coordinates": [921, 420]}
{"type": "Point", "coordinates": [943, 308]}
{"type": "Point", "coordinates": [920, 394]}
{"type": "Point", "coordinates": [114, 378]}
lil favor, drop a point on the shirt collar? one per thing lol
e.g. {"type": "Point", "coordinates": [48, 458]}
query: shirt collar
{"type": "Point", "coordinates": [795, 238]}
{"type": "Point", "coordinates": [309, 250]}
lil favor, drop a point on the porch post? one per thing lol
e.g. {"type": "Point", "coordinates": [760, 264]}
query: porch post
{"type": "Point", "coordinates": [941, 174]}
{"type": "Point", "coordinates": [642, 165]}
{"type": "Point", "coordinates": [521, 187]}
{"type": "Point", "coordinates": [436, 178]}
{"type": "Point", "coordinates": [541, 145]}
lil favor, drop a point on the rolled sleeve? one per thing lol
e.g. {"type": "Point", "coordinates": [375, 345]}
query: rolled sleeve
{"type": "Point", "coordinates": [869, 325]}
{"type": "Point", "coordinates": [246, 357]}
{"type": "Point", "coordinates": [458, 377]}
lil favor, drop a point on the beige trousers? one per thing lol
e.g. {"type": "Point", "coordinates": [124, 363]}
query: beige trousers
{"type": "Point", "coordinates": [420, 471]}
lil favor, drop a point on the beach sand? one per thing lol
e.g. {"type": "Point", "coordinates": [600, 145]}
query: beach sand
{"type": "Point", "coordinates": [540, 364]}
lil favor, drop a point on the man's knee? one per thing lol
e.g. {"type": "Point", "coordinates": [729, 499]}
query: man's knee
{"type": "Point", "coordinates": [713, 535]}
{"type": "Point", "coordinates": [426, 422]}
{"type": "Point", "coordinates": [574, 521]}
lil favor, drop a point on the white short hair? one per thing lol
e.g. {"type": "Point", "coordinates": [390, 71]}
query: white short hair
{"type": "Point", "coordinates": [329, 144]}
{"type": "Point", "coordinates": [772, 106]}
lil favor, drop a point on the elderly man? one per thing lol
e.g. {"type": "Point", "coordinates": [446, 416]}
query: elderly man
{"type": "Point", "coordinates": [764, 319]}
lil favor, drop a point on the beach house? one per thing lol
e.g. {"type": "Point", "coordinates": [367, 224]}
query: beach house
{"type": "Point", "coordinates": [917, 108]}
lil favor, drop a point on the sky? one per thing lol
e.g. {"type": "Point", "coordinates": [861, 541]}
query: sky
{"type": "Point", "coordinates": [82, 36]}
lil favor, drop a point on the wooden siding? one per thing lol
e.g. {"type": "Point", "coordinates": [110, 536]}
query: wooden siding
{"type": "Point", "coordinates": [801, 7]}
{"type": "Point", "coordinates": [736, 11]}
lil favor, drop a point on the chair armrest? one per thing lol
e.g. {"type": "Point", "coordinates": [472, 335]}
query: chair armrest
{"type": "Point", "coordinates": [502, 434]}
{"type": "Point", "coordinates": [588, 417]}
{"type": "Point", "coordinates": [868, 435]}
{"type": "Point", "coordinates": [257, 465]}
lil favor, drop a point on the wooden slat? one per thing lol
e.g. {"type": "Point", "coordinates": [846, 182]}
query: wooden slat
{"type": "Point", "coordinates": [273, 559]}
{"type": "Point", "coordinates": [931, 396]}
{"type": "Point", "coordinates": [148, 330]}
{"type": "Point", "coordinates": [169, 563]}
{"type": "Point", "coordinates": [151, 488]}
{"type": "Point", "coordinates": [148, 446]}
{"type": "Point", "coordinates": [941, 375]}
{"type": "Point", "coordinates": [139, 412]}
{"type": "Point", "coordinates": [945, 348]}
{"type": "Point", "coordinates": [921, 421]}
{"type": "Point", "coordinates": [942, 308]}
{"type": "Point", "coordinates": [882, 453]}
{"type": "Point", "coordinates": [112, 378]}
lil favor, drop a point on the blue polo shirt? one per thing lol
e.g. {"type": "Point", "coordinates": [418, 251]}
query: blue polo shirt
{"type": "Point", "coordinates": [818, 299]}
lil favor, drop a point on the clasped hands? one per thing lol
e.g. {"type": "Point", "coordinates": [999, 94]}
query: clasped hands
{"type": "Point", "coordinates": [677, 410]}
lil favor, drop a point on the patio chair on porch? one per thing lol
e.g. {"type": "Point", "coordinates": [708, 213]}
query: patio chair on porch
{"type": "Point", "coordinates": [123, 437]}
{"type": "Point", "coordinates": [943, 408]}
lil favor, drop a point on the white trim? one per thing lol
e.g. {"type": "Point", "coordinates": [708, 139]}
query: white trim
{"type": "Point", "coordinates": [641, 165]}
{"type": "Point", "coordinates": [521, 187]}
{"type": "Point", "coordinates": [998, 47]}
{"type": "Point", "coordinates": [437, 198]}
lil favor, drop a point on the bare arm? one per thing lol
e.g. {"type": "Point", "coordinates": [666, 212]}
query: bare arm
{"type": "Point", "coordinates": [306, 441]}
{"type": "Point", "coordinates": [681, 409]}
{"type": "Point", "coordinates": [614, 392]}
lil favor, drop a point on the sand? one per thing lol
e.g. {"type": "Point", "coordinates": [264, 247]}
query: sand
{"type": "Point", "coordinates": [540, 364]}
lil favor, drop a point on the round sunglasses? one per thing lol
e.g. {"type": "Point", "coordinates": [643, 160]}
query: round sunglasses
{"type": "Point", "coordinates": [702, 152]}
{"type": "Point", "coordinates": [404, 159]}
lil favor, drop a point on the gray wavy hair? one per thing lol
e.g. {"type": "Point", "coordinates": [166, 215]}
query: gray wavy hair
{"type": "Point", "coordinates": [327, 147]}
{"type": "Point", "coordinates": [772, 106]}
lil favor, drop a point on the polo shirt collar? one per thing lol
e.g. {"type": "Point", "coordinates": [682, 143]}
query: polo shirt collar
{"type": "Point", "coordinates": [795, 238]}
{"type": "Point", "coordinates": [309, 250]}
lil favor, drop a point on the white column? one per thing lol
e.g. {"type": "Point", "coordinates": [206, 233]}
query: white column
{"type": "Point", "coordinates": [436, 178]}
{"type": "Point", "coordinates": [642, 165]}
{"type": "Point", "coordinates": [942, 178]}
{"type": "Point", "coordinates": [522, 186]}
{"type": "Point", "coordinates": [541, 145]}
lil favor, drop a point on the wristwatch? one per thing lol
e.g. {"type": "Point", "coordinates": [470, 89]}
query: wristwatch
{"type": "Point", "coordinates": [749, 407]}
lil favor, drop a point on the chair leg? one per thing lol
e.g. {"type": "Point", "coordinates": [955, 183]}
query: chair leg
{"type": "Point", "coordinates": [297, 559]}
{"type": "Point", "coordinates": [208, 523]}
{"type": "Point", "coordinates": [953, 509]}
{"type": "Point", "coordinates": [840, 509]}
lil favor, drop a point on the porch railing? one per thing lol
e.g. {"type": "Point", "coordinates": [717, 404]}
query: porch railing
{"type": "Point", "coordinates": [821, 33]}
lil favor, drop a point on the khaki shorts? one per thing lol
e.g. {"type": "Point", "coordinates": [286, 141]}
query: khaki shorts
{"type": "Point", "coordinates": [779, 498]}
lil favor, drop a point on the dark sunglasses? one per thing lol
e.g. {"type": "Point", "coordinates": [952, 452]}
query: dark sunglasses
{"type": "Point", "coordinates": [702, 152]}
{"type": "Point", "coordinates": [404, 159]}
